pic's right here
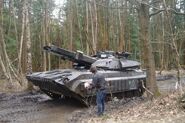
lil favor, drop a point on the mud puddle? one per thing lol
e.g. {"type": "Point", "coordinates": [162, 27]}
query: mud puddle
{"type": "Point", "coordinates": [169, 84]}
{"type": "Point", "coordinates": [35, 107]}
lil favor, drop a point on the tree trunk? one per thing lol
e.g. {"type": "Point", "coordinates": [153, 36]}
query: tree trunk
{"type": "Point", "coordinates": [4, 59]}
{"type": "Point", "coordinates": [44, 39]}
{"type": "Point", "coordinates": [148, 57]}
{"type": "Point", "coordinates": [96, 25]}
{"type": "Point", "coordinates": [22, 38]}
{"type": "Point", "coordinates": [71, 27]}
{"type": "Point", "coordinates": [79, 25]}
{"type": "Point", "coordinates": [92, 28]}
{"type": "Point", "coordinates": [174, 48]}
{"type": "Point", "coordinates": [87, 29]}
{"type": "Point", "coordinates": [28, 45]}
{"type": "Point", "coordinates": [121, 29]}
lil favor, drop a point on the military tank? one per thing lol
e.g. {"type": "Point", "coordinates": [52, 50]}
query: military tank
{"type": "Point", "coordinates": [123, 76]}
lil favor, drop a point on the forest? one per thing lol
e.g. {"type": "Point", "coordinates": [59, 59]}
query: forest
{"type": "Point", "coordinates": [152, 30]}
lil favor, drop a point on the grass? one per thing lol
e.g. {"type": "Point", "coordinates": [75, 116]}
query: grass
{"type": "Point", "coordinates": [105, 117]}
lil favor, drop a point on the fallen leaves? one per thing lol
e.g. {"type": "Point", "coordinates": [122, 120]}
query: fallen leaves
{"type": "Point", "coordinates": [163, 109]}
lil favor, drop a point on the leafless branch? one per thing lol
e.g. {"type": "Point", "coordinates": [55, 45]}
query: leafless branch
{"type": "Point", "coordinates": [147, 89]}
{"type": "Point", "coordinates": [157, 12]}
{"type": "Point", "coordinates": [154, 2]}
{"type": "Point", "coordinates": [159, 9]}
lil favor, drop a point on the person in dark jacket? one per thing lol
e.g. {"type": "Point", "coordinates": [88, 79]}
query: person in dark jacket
{"type": "Point", "coordinates": [98, 81]}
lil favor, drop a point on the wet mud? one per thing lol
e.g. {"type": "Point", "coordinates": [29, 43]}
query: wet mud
{"type": "Point", "coordinates": [35, 107]}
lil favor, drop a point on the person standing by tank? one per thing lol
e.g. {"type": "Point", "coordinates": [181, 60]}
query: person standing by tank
{"type": "Point", "coordinates": [98, 82]}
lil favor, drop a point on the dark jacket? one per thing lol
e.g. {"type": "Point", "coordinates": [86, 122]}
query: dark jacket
{"type": "Point", "coordinates": [98, 81]}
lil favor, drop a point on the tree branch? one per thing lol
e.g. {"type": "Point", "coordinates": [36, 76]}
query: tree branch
{"type": "Point", "coordinates": [175, 12]}
{"type": "Point", "coordinates": [169, 9]}
{"type": "Point", "coordinates": [157, 12]}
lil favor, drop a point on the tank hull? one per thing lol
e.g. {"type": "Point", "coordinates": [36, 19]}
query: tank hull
{"type": "Point", "coordinates": [70, 82]}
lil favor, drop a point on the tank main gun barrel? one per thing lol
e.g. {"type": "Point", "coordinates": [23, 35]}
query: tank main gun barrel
{"type": "Point", "coordinates": [77, 57]}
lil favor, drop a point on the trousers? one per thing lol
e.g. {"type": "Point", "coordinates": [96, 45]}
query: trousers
{"type": "Point", "coordinates": [100, 101]}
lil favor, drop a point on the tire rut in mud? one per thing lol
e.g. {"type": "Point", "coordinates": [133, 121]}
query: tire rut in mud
{"type": "Point", "coordinates": [34, 107]}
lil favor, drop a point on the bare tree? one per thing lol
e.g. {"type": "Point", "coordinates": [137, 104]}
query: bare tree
{"type": "Point", "coordinates": [148, 57]}
{"type": "Point", "coordinates": [22, 37]}
{"type": "Point", "coordinates": [92, 28]}
{"type": "Point", "coordinates": [4, 59]}
{"type": "Point", "coordinates": [174, 47]}
{"type": "Point", "coordinates": [28, 44]}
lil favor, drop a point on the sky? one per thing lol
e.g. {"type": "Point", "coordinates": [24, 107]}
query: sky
{"type": "Point", "coordinates": [58, 3]}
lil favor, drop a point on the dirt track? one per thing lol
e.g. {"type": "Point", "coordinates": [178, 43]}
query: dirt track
{"type": "Point", "coordinates": [34, 107]}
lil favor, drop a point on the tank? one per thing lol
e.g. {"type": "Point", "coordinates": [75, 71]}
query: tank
{"type": "Point", "coordinates": [123, 76]}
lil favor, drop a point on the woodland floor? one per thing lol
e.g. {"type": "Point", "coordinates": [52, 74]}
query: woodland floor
{"type": "Point", "coordinates": [165, 109]}
{"type": "Point", "coordinates": [168, 108]}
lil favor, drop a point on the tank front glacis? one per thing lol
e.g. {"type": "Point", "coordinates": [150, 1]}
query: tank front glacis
{"type": "Point", "coordinates": [122, 75]}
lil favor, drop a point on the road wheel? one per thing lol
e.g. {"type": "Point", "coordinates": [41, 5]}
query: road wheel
{"type": "Point", "coordinates": [52, 95]}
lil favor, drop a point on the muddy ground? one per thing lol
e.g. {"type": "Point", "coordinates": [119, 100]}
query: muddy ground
{"type": "Point", "coordinates": [36, 107]}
